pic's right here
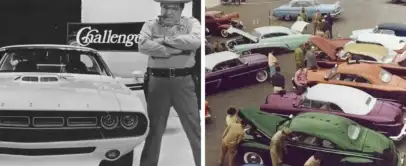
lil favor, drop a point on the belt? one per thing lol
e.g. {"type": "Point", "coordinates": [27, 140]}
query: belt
{"type": "Point", "coordinates": [171, 72]}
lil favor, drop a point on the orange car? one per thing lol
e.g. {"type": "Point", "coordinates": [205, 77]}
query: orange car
{"type": "Point", "coordinates": [367, 77]}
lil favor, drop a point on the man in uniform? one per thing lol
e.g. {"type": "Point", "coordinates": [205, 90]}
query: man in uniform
{"type": "Point", "coordinates": [277, 147]}
{"type": "Point", "coordinates": [303, 15]}
{"type": "Point", "coordinates": [299, 56]}
{"type": "Point", "coordinates": [316, 20]}
{"type": "Point", "coordinates": [232, 136]}
{"type": "Point", "coordinates": [170, 42]}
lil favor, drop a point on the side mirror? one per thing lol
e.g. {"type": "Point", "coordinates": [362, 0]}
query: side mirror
{"type": "Point", "coordinates": [291, 116]}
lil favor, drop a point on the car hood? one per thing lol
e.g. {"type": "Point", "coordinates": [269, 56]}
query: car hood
{"type": "Point", "coordinates": [232, 30]}
{"type": "Point", "coordinates": [265, 122]}
{"type": "Point", "coordinates": [355, 33]}
{"type": "Point", "coordinates": [67, 92]}
{"type": "Point", "coordinates": [375, 142]}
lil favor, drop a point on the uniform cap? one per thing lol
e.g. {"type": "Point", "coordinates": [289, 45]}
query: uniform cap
{"type": "Point", "coordinates": [173, 1]}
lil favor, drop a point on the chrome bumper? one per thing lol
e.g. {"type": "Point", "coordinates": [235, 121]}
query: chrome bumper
{"type": "Point", "coordinates": [402, 133]}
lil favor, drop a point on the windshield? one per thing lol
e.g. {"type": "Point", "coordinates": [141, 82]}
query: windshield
{"type": "Point", "coordinates": [353, 131]}
{"type": "Point", "coordinates": [53, 61]}
{"type": "Point", "coordinates": [332, 72]}
{"type": "Point", "coordinates": [385, 76]}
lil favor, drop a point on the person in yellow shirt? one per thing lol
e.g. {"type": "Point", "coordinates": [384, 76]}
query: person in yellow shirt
{"type": "Point", "coordinates": [316, 18]}
{"type": "Point", "coordinates": [277, 146]}
{"type": "Point", "coordinates": [272, 63]}
{"type": "Point", "coordinates": [302, 15]}
{"type": "Point", "coordinates": [232, 136]}
{"type": "Point", "coordinates": [231, 116]}
{"type": "Point", "coordinates": [299, 56]}
{"type": "Point", "coordinates": [314, 160]}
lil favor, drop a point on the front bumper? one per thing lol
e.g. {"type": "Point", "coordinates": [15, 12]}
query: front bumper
{"type": "Point", "coordinates": [124, 145]}
{"type": "Point", "coordinates": [401, 135]}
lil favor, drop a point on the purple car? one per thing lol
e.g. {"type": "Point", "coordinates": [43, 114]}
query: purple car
{"type": "Point", "coordinates": [226, 70]}
{"type": "Point", "coordinates": [378, 114]}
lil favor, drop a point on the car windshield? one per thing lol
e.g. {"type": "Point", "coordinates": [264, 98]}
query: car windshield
{"type": "Point", "coordinates": [331, 72]}
{"type": "Point", "coordinates": [353, 131]}
{"type": "Point", "coordinates": [385, 76]}
{"type": "Point", "coordinates": [50, 60]}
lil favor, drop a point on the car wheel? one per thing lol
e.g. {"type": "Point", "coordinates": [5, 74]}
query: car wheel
{"type": "Point", "coordinates": [251, 157]}
{"type": "Point", "coordinates": [126, 160]}
{"type": "Point", "coordinates": [224, 33]}
{"type": "Point", "coordinates": [287, 17]}
{"type": "Point", "coordinates": [261, 76]}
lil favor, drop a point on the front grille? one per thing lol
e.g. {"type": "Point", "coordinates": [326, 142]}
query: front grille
{"type": "Point", "coordinates": [46, 152]}
{"type": "Point", "coordinates": [54, 126]}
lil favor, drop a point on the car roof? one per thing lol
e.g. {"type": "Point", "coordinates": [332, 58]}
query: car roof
{"type": "Point", "coordinates": [341, 96]}
{"type": "Point", "coordinates": [47, 46]}
{"type": "Point", "coordinates": [218, 57]}
{"type": "Point", "coordinates": [388, 41]}
{"type": "Point", "coordinates": [273, 29]}
{"type": "Point", "coordinates": [371, 50]}
{"type": "Point", "coordinates": [392, 26]}
{"type": "Point", "coordinates": [325, 126]}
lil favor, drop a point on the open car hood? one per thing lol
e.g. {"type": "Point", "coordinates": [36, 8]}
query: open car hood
{"type": "Point", "coordinates": [232, 30]}
{"type": "Point", "coordinates": [265, 122]}
{"type": "Point", "coordinates": [299, 26]}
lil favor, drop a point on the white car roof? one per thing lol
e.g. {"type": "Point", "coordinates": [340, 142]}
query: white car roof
{"type": "Point", "coordinates": [273, 29]}
{"type": "Point", "coordinates": [218, 57]}
{"type": "Point", "coordinates": [350, 100]}
{"type": "Point", "coordinates": [389, 41]}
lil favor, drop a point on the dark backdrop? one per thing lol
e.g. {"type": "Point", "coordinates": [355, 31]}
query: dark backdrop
{"type": "Point", "coordinates": [37, 21]}
{"type": "Point", "coordinates": [196, 13]}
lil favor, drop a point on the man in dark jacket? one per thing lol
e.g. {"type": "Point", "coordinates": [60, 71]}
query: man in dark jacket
{"type": "Point", "coordinates": [329, 25]}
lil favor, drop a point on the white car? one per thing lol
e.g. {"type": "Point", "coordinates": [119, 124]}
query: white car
{"type": "Point", "coordinates": [395, 29]}
{"type": "Point", "coordinates": [389, 41]}
{"type": "Point", "coordinates": [61, 105]}
{"type": "Point", "coordinates": [269, 39]}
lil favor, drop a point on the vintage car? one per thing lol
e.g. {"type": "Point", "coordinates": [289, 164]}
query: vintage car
{"type": "Point", "coordinates": [396, 29]}
{"type": "Point", "coordinates": [291, 10]}
{"type": "Point", "coordinates": [389, 41]}
{"type": "Point", "coordinates": [377, 114]}
{"type": "Point", "coordinates": [369, 78]}
{"type": "Point", "coordinates": [342, 141]}
{"type": "Point", "coordinates": [62, 104]}
{"type": "Point", "coordinates": [217, 22]}
{"type": "Point", "coordinates": [227, 69]}
{"type": "Point", "coordinates": [328, 50]}
{"type": "Point", "coordinates": [276, 39]}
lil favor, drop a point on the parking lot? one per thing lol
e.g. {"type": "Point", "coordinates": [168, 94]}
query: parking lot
{"type": "Point", "coordinates": [357, 14]}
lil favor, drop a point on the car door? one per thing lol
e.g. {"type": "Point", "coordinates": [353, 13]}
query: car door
{"type": "Point", "coordinates": [300, 147]}
{"type": "Point", "coordinates": [241, 73]}
{"type": "Point", "coordinates": [215, 79]}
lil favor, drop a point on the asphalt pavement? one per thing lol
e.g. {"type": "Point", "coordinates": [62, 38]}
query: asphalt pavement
{"type": "Point", "coordinates": [357, 14]}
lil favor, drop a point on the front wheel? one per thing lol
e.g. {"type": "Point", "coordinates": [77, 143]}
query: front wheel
{"type": "Point", "coordinates": [287, 18]}
{"type": "Point", "coordinates": [261, 76]}
{"type": "Point", "coordinates": [126, 160]}
{"type": "Point", "coordinates": [224, 33]}
{"type": "Point", "coordinates": [251, 156]}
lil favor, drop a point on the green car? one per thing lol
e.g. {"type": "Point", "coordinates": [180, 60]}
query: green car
{"type": "Point", "coordinates": [343, 142]}
{"type": "Point", "coordinates": [263, 40]}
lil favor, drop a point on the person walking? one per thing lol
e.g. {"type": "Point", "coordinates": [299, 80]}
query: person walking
{"type": "Point", "coordinates": [277, 146]}
{"type": "Point", "coordinates": [311, 59]}
{"type": "Point", "coordinates": [272, 63]}
{"type": "Point", "coordinates": [329, 23]}
{"type": "Point", "coordinates": [170, 41]}
{"type": "Point", "coordinates": [316, 21]}
{"type": "Point", "coordinates": [231, 116]}
{"type": "Point", "coordinates": [302, 15]}
{"type": "Point", "coordinates": [278, 81]}
{"type": "Point", "coordinates": [314, 160]}
{"type": "Point", "coordinates": [299, 56]}
{"type": "Point", "coordinates": [232, 136]}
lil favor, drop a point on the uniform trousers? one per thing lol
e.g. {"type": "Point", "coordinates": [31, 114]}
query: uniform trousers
{"type": "Point", "coordinates": [162, 94]}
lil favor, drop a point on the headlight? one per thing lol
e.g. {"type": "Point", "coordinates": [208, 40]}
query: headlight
{"type": "Point", "coordinates": [129, 122]}
{"type": "Point", "coordinates": [109, 122]}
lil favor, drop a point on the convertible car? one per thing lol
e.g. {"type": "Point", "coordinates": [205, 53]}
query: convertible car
{"type": "Point", "coordinates": [377, 114]}
{"type": "Point", "coordinates": [372, 79]}
{"type": "Point", "coordinates": [342, 141]}
{"type": "Point", "coordinates": [276, 39]}
{"type": "Point", "coordinates": [227, 69]}
{"type": "Point", "coordinates": [62, 104]}
{"type": "Point", "coordinates": [291, 10]}
{"type": "Point", "coordinates": [395, 29]}
{"type": "Point", "coordinates": [217, 22]}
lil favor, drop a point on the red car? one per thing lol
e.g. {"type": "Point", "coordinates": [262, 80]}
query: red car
{"type": "Point", "coordinates": [217, 22]}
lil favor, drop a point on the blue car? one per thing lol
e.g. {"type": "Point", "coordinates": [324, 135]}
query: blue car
{"type": "Point", "coordinates": [291, 10]}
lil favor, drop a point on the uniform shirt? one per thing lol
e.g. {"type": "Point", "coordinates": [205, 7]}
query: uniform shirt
{"type": "Point", "coordinates": [272, 60]}
{"type": "Point", "coordinates": [233, 135]}
{"type": "Point", "coordinates": [278, 143]}
{"type": "Point", "coordinates": [312, 162]}
{"type": "Point", "coordinates": [278, 80]}
{"type": "Point", "coordinates": [231, 119]}
{"type": "Point", "coordinates": [299, 55]}
{"type": "Point", "coordinates": [184, 36]}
